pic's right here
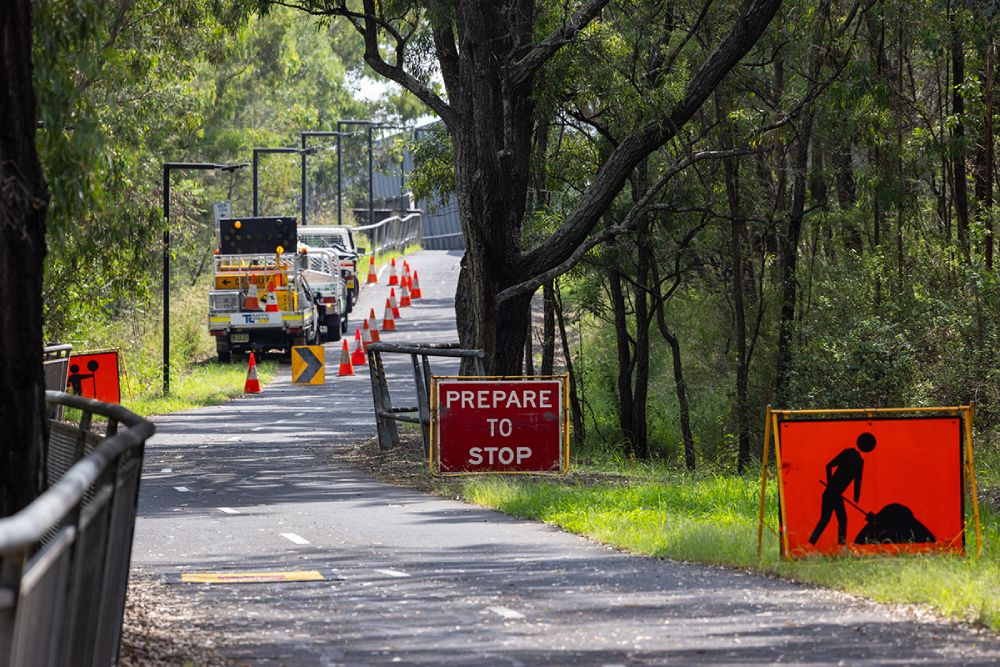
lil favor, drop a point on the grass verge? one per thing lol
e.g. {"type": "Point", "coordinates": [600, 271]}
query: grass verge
{"type": "Point", "coordinates": [661, 512]}
{"type": "Point", "coordinates": [668, 514]}
{"type": "Point", "coordinates": [207, 383]}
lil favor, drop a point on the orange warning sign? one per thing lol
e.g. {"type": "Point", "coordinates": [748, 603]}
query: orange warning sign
{"type": "Point", "coordinates": [95, 375]}
{"type": "Point", "coordinates": [871, 485]}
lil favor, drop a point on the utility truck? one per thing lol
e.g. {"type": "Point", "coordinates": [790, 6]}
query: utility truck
{"type": "Point", "coordinates": [321, 267]}
{"type": "Point", "coordinates": [338, 238]}
{"type": "Point", "coordinates": [262, 298]}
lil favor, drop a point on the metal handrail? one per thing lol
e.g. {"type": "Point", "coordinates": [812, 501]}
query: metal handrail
{"type": "Point", "coordinates": [30, 525]}
{"type": "Point", "coordinates": [386, 415]}
{"type": "Point", "coordinates": [64, 559]}
{"type": "Point", "coordinates": [395, 232]}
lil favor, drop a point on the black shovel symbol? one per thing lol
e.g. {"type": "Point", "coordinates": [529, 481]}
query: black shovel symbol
{"type": "Point", "coordinates": [893, 524]}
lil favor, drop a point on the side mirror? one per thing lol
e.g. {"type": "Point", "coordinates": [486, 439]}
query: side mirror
{"type": "Point", "coordinates": [362, 251]}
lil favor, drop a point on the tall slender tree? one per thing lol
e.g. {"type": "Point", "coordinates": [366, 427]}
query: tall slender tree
{"type": "Point", "coordinates": [23, 203]}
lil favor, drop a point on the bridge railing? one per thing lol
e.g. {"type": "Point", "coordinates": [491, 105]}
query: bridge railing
{"type": "Point", "coordinates": [64, 559]}
{"type": "Point", "coordinates": [386, 415]}
{"type": "Point", "coordinates": [394, 234]}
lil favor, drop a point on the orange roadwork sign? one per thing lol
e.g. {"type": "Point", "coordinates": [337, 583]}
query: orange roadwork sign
{"type": "Point", "coordinates": [95, 375]}
{"type": "Point", "coordinates": [871, 485]}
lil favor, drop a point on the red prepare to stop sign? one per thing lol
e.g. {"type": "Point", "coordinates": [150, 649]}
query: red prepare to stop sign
{"type": "Point", "coordinates": [509, 425]}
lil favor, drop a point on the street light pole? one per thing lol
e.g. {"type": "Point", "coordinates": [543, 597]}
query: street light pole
{"type": "Point", "coordinates": [167, 168]}
{"type": "Point", "coordinates": [305, 138]}
{"type": "Point", "coordinates": [340, 156]}
{"type": "Point", "coordinates": [256, 163]}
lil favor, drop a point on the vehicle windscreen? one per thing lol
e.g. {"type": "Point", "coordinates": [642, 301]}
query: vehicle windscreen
{"type": "Point", "coordinates": [325, 240]}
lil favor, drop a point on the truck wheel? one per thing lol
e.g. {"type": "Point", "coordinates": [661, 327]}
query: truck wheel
{"type": "Point", "coordinates": [343, 324]}
{"type": "Point", "coordinates": [222, 349]}
{"type": "Point", "coordinates": [333, 327]}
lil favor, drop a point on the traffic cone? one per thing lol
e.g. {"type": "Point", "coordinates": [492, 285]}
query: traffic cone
{"type": "Point", "coordinates": [366, 335]}
{"type": "Point", "coordinates": [388, 323]}
{"type": "Point", "coordinates": [252, 385]}
{"type": "Point", "coordinates": [252, 301]}
{"type": "Point", "coordinates": [406, 274]}
{"type": "Point", "coordinates": [393, 276]}
{"type": "Point", "coordinates": [345, 361]}
{"type": "Point", "coordinates": [404, 297]}
{"type": "Point", "coordinates": [392, 302]}
{"type": "Point", "coordinates": [415, 287]}
{"type": "Point", "coordinates": [358, 355]}
{"type": "Point", "coordinates": [373, 326]}
{"type": "Point", "coordinates": [272, 299]}
{"type": "Point", "coordinates": [372, 276]}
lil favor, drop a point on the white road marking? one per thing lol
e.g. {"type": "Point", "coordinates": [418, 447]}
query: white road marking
{"type": "Point", "coordinates": [505, 612]}
{"type": "Point", "coordinates": [297, 539]}
{"type": "Point", "coordinates": [228, 510]}
{"type": "Point", "coordinates": [233, 438]}
{"type": "Point", "coordinates": [167, 470]}
{"type": "Point", "coordinates": [182, 489]}
{"type": "Point", "coordinates": [393, 573]}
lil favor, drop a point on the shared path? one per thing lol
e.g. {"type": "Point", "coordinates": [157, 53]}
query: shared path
{"type": "Point", "coordinates": [408, 578]}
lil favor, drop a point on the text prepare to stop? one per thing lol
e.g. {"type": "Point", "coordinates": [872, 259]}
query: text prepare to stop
{"type": "Point", "coordinates": [500, 426]}
{"type": "Point", "coordinates": [488, 399]}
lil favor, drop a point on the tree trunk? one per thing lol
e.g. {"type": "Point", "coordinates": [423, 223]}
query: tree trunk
{"type": "Point", "coordinates": [958, 141]}
{"type": "Point", "coordinates": [788, 246]}
{"type": "Point", "coordinates": [548, 330]}
{"type": "Point", "coordinates": [737, 230]}
{"type": "Point", "coordinates": [23, 204]}
{"type": "Point", "coordinates": [576, 410]}
{"type": "Point", "coordinates": [988, 141]}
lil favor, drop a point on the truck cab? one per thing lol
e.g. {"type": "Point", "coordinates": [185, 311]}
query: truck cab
{"type": "Point", "coordinates": [338, 238]}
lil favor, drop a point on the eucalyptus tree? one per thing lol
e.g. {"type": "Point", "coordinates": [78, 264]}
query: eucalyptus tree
{"type": "Point", "coordinates": [489, 57]}
{"type": "Point", "coordinates": [23, 203]}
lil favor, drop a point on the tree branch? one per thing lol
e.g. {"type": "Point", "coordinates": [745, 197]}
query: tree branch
{"type": "Point", "coordinates": [538, 54]}
{"type": "Point", "coordinates": [562, 245]}
{"type": "Point", "coordinates": [630, 222]}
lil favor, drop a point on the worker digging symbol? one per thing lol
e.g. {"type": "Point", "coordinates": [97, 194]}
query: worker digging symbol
{"type": "Point", "coordinates": [845, 469]}
{"type": "Point", "coordinates": [893, 524]}
{"type": "Point", "coordinates": [76, 378]}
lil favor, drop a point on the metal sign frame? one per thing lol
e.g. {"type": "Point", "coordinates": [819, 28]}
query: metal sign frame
{"type": "Point", "coordinates": [772, 418]}
{"type": "Point", "coordinates": [434, 460]}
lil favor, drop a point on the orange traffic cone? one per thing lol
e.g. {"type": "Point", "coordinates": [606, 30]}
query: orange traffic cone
{"type": "Point", "coordinates": [392, 302]}
{"type": "Point", "coordinates": [251, 301]}
{"type": "Point", "coordinates": [406, 274]}
{"type": "Point", "coordinates": [404, 297]}
{"type": "Point", "coordinates": [388, 323]}
{"type": "Point", "coordinates": [415, 287]}
{"type": "Point", "coordinates": [252, 385]}
{"type": "Point", "coordinates": [393, 276]}
{"type": "Point", "coordinates": [373, 326]}
{"type": "Point", "coordinates": [366, 335]}
{"type": "Point", "coordinates": [345, 361]}
{"type": "Point", "coordinates": [358, 355]}
{"type": "Point", "coordinates": [372, 276]}
{"type": "Point", "coordinates": [272, 299]}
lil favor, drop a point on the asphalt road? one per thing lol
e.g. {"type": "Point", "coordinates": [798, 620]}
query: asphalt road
{"type": "Point", "coordinates": [417, 579]}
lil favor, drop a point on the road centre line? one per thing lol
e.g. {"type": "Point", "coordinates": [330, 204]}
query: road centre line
{"type": "Point", "coordinates": [506, 612]}
{"type": "Point", "coordinates": [182, 489]}
{"type": "Point", "coordinates": [167, 470]}
{"type": "Point", "coordinates": [228, 510]}
{"type": "Point", "coordinates": [292, 537]}
{"type": "Point", "coordinates": [393, 573]}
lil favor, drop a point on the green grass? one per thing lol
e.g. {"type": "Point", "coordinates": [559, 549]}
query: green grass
{"type": "Point", "coordinates": [208, 383]}
{"type": "Point", "coordinates": [665, 513]}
